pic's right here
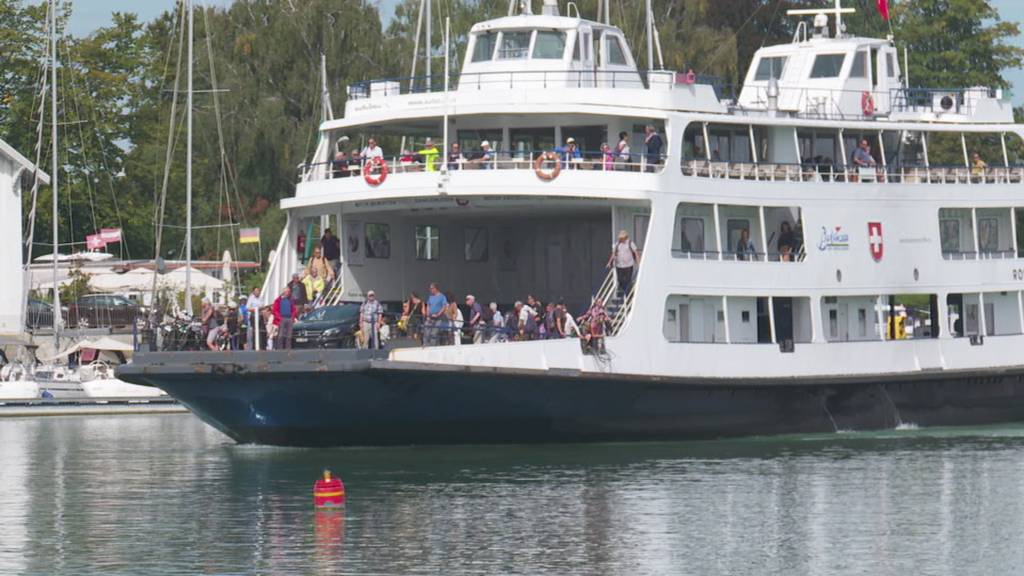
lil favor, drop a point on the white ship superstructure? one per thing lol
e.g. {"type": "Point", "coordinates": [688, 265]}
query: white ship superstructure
{"type": "Point", "coordinates": [907, 233]}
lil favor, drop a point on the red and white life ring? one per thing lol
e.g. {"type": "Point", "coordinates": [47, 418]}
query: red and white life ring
{"type": "Point", "coordinates": [545, 175]}
{"type": "Point", "coordinates": [867, 103]}
{"type": "Point", "coordinates": [375, 171]}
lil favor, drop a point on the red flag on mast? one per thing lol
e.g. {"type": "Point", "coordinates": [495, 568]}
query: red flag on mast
{"type": "Point", "coordinates": [883, 9]}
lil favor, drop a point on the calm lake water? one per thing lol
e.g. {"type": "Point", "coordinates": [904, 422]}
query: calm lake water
{"type": "Point", "coordinates": [168, 495]}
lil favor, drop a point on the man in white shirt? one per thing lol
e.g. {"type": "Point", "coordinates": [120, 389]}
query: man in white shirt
{"type": "Point", "coordinates": [624, 256]}
{"type": "Point", "coordinates": [253, 303]}
{"type": "Point", "coordinates": [372, 151]}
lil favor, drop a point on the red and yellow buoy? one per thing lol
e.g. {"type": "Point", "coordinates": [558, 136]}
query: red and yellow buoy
{"type": "Point", "coordinates": [328, 492]}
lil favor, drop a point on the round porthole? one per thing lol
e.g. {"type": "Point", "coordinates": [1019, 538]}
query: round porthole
{"type": "Point", "coordinates": [839, 275]}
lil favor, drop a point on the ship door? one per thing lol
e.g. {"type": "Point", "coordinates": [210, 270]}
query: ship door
{"type": "Point", "coordinates": [587, 65]}
{"type": "Point", "coordinates": [838, 323]}
{"type": "Point", "coordinates": [881, 60]}
{"type": "Point", "coordinates": [684, 323]}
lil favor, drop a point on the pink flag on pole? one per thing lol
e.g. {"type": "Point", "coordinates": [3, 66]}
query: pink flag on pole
{"type": "Point", "coordinates": [110, 235]}
{"type": "Point", "coordinates": [95, 242]}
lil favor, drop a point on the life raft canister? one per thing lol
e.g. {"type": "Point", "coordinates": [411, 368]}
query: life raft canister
{"type": "Point", "coordinates": [328, 492]}
{"type": "Point", "coordinates": [867, 103]}
{"type": "Point", "coordinates": [545, 175]}
{"type": "Point", "coordinates": [375, 171]}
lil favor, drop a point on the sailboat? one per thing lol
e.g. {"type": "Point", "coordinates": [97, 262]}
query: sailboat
{"type": "Point", "coordinates": [57, 378]}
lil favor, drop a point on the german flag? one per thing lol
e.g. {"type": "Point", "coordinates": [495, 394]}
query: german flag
{"type": "Point", "coordinates": [249, 236]}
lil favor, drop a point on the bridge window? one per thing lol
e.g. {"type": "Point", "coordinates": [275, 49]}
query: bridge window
{"type": "Point", "coordinates": [827, 65]}
{"type": "Point", "coordinates": [483, 48]}
{"type": "Point", "coordinates": [860, 65]}
{"type": "Point", "coordinates": [428, 243]}
{"type": "Point", "coordinates": [514, 46]}
{"type": "Point", "coordinates": [615, 54]}
{"type": "Point", "coordinates": [549, 45]}
{"type": "Point", "coordinates": [770, 67]}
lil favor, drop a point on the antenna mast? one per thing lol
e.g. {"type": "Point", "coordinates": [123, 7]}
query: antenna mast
{"type": "Point", "coordinates": [837, 12]}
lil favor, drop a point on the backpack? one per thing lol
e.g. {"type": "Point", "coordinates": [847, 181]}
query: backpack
{"type": "Point", "coordinates": [487, 315]}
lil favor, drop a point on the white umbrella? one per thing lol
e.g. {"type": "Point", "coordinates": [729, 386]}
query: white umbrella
{"type": "Point", "coordinates": [225, 274]}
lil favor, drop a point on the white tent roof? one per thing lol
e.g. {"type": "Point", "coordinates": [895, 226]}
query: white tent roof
{"type": "Point", "coordinates": [98, 343]}
{"type": "Point", "coordinates": [141, 280]}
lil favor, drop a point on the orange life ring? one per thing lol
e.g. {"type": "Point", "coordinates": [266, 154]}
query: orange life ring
{"type": "Point", "coordinates": [538, 166]}
{"type": "Point", "coordinates": [375, 171]}
{"type": "Point", "coordinates": [867, 103]}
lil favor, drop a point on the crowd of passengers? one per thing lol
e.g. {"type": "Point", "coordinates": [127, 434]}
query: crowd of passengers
{"type": "Point", "coordinates": [429, 158]}
{"type": "Point", "coordinates": [435, 320]}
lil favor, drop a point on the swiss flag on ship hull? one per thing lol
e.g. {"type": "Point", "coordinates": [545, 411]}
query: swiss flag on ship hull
{"type": "Point", "coordinates": [875, 240]}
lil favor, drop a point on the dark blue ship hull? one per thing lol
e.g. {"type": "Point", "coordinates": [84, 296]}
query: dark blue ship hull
{"type": "Point", "coordinates": [343, 398]}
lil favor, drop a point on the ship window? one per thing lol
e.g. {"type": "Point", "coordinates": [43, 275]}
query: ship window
{"type": "Point", "coordinates": [576, 56]}
{"type": "Point", "coordinates": [549, 45]}
{"type": "Point", "coordinates": [615, 53]}
{"type": "Point", "coordinates": [514, 46]}
{"type": "Point", "coordinates": [890, 65]}
{"type": "Point", "coordinates": [378, 241]}
{"type": "Point", "coordinates": [860, 65]}
{"type": "Point", "coordinates": [483, 49]}
{"type": "Point", "coordinates": [770, 67]}
{"type": "Point", "coordinates": [827, 65]}
{"type": "Point", "coordinates": [428, 243]}
{"type": "Point", "coordinates": [476, 246]}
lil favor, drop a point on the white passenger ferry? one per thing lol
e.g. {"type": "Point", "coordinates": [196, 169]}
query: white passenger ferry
{"type": "Point", "coordinates": [894, 295]}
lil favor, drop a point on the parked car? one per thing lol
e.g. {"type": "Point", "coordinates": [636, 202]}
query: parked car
{"type": "Point", "coordinates": [39, 314]}
{"type": "Point", "coordinates": [101, 310]}
{"type": "Point", "coordinates": [327, 327]}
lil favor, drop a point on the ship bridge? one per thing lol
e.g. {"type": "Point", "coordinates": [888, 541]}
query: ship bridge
{"type": "Point", "coordinates": [825, 74]}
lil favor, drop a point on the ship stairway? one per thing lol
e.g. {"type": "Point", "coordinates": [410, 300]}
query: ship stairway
{"type": "Point", "coordinates": [617, 305]}
{"type": "Point", "coordinates": [333, 295]}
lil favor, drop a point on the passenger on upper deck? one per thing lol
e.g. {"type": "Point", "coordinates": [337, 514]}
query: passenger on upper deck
{"type": "Point", "coordinates": [607, 157]}
{"type": "Point", "coordinates": [355, 162]}
{"type": "Point", "coordinates": [430, 154]}
{"type": "Point", "coordinates": [862, 158]}
{"type": "Point", "coordinates": [786, 243]}
{"type": "Point", "coordinates": [978, 165]}
{"type": "Point", "coordinates": [745, 246]}
{"type": "Point", "coordinates": [570, 153]}
{"type": "Point", "coordinates": [455, 157]}
{"type": "Point", "coordinates": [372, 150]}
{"type": "Point", "coordinates": [485, 156]}
{"type": "Point", "coordinates": [339, 166]}
{"type": "Point", "coordinates": [622, 149]}
{"type": "Point", "coordinates": [654, 144]}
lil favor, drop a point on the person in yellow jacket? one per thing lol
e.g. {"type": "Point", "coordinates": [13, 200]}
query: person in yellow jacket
{"type": "Point", "coordinates": [430, 155]}
{"type": "Point", "coordinates": [314, 284]}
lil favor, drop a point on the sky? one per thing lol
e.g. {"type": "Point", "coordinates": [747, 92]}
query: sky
{"type": "Point", "coordinates": [91, 14]}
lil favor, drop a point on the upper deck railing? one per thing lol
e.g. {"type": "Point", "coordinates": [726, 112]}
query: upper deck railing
{"type": "Point", "coordinates": [527, 79]}
{"type": "Point", "coordinates": [772, 171]}
{"type": "Point", "coordinates": [840, 104]}
{"type": "Point", "coordinates": [779, 172]}
{"type": "Point", "coordinates": [522, 160]}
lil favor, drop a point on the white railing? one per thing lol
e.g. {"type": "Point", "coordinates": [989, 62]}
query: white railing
{"type": "Point", "coordinates": [776, 172]}
{"type": "Point", "coordinates": [607, 292]}
{"type": "Point", "coordinates": [502, 161]}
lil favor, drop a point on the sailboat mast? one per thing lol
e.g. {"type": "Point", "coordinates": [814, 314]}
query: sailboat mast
{"type": "Point", "coordinates": [429, 79]}
{"type": "Point", "coordinates": [188, 170]}
{"type": "Point", "coordinates": [56, 171]}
